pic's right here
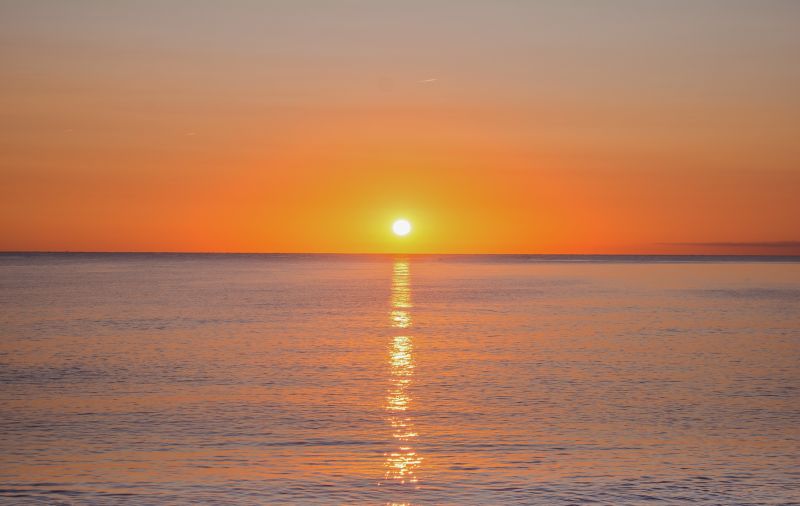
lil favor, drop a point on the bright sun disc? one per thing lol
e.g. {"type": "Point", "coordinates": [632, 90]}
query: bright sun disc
{"type": "Point", "coordinates": [401, 227]}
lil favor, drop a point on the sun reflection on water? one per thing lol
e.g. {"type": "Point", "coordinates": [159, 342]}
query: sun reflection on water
{"type": "Point", "coordinates": [403, 462]}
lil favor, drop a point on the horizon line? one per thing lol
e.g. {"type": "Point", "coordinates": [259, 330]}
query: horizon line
{"type": "Point", "coordinates": [122, 252]}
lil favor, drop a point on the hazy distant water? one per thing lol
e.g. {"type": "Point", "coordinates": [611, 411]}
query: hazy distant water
{"type": "Point", "coordinates": [155, 379]}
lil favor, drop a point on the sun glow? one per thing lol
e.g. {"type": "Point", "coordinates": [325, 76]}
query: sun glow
{"type": "Point", "coordinates": [401, 227]}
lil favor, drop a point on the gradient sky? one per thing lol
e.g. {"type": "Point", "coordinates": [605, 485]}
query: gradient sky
{"type": "Point", "coordinates": [494, 126]}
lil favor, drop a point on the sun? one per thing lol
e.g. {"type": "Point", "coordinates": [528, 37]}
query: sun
{"type": "Point", "coordinates": [401, 227]}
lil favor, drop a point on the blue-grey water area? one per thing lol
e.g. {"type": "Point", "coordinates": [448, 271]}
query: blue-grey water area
{"type": "Point", "coordinates": [398, 380]}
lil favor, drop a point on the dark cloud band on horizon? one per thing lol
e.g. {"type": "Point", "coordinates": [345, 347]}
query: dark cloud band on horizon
{"type": "Point", "coordinates": [764, 244]}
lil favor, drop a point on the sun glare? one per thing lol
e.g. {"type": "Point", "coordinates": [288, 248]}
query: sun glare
{"type": "Point", "coordinates": [401, 227]}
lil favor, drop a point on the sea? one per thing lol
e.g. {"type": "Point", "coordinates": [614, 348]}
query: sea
{"type": "Point", "coordinates": [398, 380]}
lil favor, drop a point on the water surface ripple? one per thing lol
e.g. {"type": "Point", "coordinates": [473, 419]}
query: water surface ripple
{"type": "Point", "coordinates": [280, 379]}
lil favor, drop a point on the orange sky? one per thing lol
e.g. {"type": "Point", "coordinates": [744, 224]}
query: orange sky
{"type": "Point", "coordinates": [495, 127]}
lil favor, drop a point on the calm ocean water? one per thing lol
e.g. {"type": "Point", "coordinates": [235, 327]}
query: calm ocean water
{"type": "Point", "coordinates": [249, 379]}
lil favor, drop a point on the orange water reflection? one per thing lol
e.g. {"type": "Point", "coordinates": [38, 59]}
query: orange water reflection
{"type": "Point", "coordinates": [403, 462]}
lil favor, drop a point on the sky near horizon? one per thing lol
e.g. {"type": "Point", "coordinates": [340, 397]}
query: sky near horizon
{"type": "Point", "coordinates": [493, 126]}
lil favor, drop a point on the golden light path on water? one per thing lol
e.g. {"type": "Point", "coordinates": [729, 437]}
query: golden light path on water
{"type": "Point", "coordinates": [402, 463]}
